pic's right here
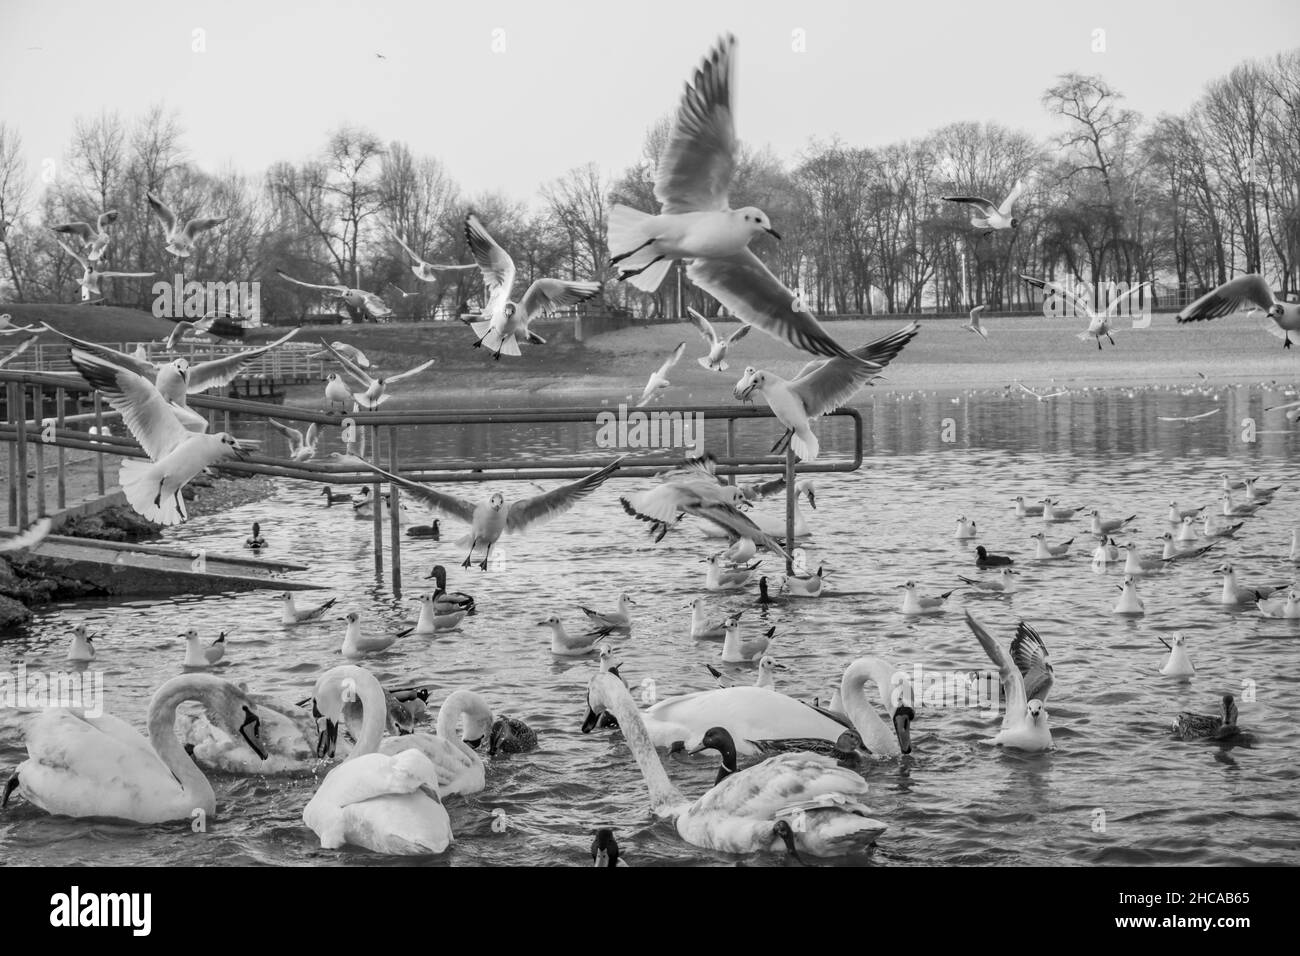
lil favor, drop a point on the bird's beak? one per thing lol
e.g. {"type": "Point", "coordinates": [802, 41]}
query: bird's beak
{"type": "Point", "coordinates": [542, 623]}
{"type": "Point", "coordinates": [695, 750]}
{"type": "Point", "coordinates": [773, 233]}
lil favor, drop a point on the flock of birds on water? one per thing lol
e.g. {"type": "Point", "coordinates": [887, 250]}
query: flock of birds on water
{"type": "Point", "coordinates": [387, 782]}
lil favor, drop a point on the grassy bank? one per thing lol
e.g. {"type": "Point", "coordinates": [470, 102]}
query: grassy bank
{"type": "Point", "coordinates": [614, 366]}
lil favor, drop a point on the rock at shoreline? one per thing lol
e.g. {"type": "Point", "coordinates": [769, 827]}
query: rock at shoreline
{"type": "Point", "coordinates": [12, 614]}
{"type": "Point", "coordinates": [112, 524]}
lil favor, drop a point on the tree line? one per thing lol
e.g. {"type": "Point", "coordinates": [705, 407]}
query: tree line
{"type": "Point", "coordinates": [1183, 201]}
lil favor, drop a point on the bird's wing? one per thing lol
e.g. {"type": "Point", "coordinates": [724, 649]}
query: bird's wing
{"type": "Point", "coordinates": [374, 304]}
{"type": "Point", "coordinates": [349, 366]}
{"type": "Point", "coordinates": [1012, 683]}
{"type": "Point", "coordinates": [983, 205]}
{"type": "Point", "coordinates": [739, 334]}
{"type": "Point", "coordinates": [312, 431]}
{"type": "Point", "coordinates": [294, 436]}
{"type": "Point", "coordinates": [409, 251]}
{"type": "Point", "coordinates": [223, 371]}
{"type": "Point", "coordinates": [672, 359]}
{"type": "Point", "coordinates": [140, 367]}
{"type": "Point", "coordinates": [107, 219]}
{"type": "Point", "coordinates": [496, 265]}
{"type": "Point", "coordinates": [336, 289]}
{"type": "Point", "coordinates": [82, 230]}
{"type": "Point", "coordinates": [165, 215]}
{"type": "Point", "coordinates": [410, 372]}
{"type": "Point", "coordinates": [1082, 306]}
{"type": "Point", "coordinates": [30, 538]}
{"type": "Point", "coordinates": [1113, 308]}
{"type": "Point", "coordinates": [196, 226]}
{"type": "Point", "coordinates": [146, 413]}
{"type": "Point", "coordinates": [526, 511]}
{"type": "Point", "coordinates": [447, 504]}
{"type": "Point", "coordinates": [1031, 657]}
{"type": "Point", "coordinates": [84, 264]}
{"type": "Point", "coordinates": [705, 327]}
{"type": "Point", "coordinates": [826, 388]}
{"type": "Point", "coordinates": [726, 515]}
{"type": "Point", "coordinates": [19, 349]}
{"type": "Point", "coordinates": [695, 168]}
{"type": "Point", "coordinates": [547, 295]}
{"type": "Point", "coordinates": [1230, 297]}
{"type": "Point", "coordinates": [1010, 201]}
{"type": "Point", "coordinates": [177, 332]}
{"type": "Point", "coordinates": [752, 294]}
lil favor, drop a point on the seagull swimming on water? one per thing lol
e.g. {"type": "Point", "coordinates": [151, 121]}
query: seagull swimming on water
{"type": "Point", "coordinates": [695, 222]}
{"type": "Point", "coordinates": [1024, 719]}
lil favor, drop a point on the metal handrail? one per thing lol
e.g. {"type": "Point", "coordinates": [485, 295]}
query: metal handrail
{"type": "Point", "coordinates": [22, 432]}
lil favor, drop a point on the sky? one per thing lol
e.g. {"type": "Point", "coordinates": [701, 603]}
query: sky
{"type": "Point", "coordinates": [510, 95]}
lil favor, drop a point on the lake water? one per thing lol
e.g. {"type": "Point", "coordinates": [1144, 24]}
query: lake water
{"type": "Point", "coordinates": [954, 800]}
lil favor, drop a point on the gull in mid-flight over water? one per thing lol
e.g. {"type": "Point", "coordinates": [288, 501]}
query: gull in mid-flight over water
{"type": "Point", "coordinates": [696, 222]}
{"type": "Point", "coordinates": [491, 519]}
{"type": "Point", "coordinates": [1235, 295]}
{"type": "Point", "coordinates": [974, 324]}
{"type": "Point", "coordinates": [820, 388]}
{"type": "Point", "coordinates": [505, 323]}
{"type": "Point", "coordinates": [716, 360]}
{"type": "Point", "coordinates": [659, 377]}
{"type": "Point", "coordinates": [1099, 323]}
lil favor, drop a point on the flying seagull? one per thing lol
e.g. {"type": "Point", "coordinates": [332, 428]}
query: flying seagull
{"type": "Point", "coordinates": [986, 216]}
{"type": "Point", "coordinates": [696, 223]}
{"type": "Point", "coordinates": [180, 235]}
{"type": "Point", "coordinates": [1237, 294]}
{"type": "Point", "coordinates": [715, 361]}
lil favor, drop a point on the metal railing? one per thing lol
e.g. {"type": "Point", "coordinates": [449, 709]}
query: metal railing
{"type": "Point", "coordinates": [291, 362]}
{"type": "Point", "coordinates": [66, 432]}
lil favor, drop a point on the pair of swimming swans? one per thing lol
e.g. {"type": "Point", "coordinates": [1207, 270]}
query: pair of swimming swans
{"type": "Point", "coordinates": [802, 801]}
{"type": "Point", "coordinates": [387, 795]}
{"type": "Point", "coordinates": [81, 766]}
{"type": "Point", "coordinates": [761, 720]}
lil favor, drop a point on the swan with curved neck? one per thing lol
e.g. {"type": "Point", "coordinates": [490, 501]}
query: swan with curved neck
{"type": "Point", "coordinates": [81, 766]}
{"type": "Point", "coordinates": [761, 720]}
{"type": "Point", "coordinates": [799, 801]}
{"type": "Point", "coordinates": [385, 803]}
{"type": "Point", "coordinates": [459, 769]}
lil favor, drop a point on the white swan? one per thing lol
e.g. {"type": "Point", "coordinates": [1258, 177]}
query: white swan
{"type": "Point", "coordinates": [388, 804]}
{"type": "Point", "coordinates": [759, 719]}
{"type": "Point", "coordinates": [1024, 722]}
{"type": "Point", "coordinates": [460, 770]}
{"type": "Point", "coordinates": [82, 766]}
{"type": "Point", "coordinates": [800, 801]}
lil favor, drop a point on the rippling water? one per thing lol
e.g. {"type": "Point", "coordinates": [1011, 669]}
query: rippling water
{"type": "Point", "coordinates": [954, 800]}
